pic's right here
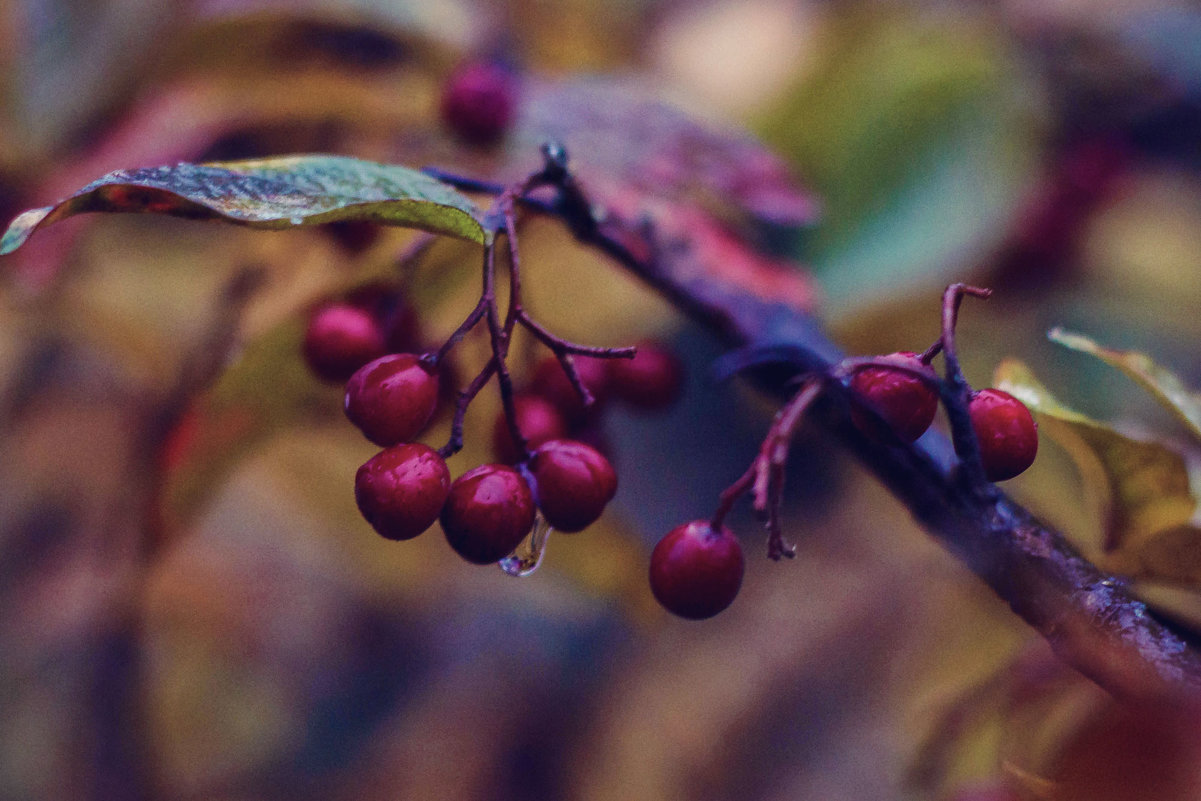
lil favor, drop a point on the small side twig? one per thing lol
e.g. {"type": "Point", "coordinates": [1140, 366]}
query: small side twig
{"type": "Point", "coordinates": [765, 476]}
{"type": "Point", "coordinates": [957, 393]}
{"type": "Point", "coordinates": [455, 443]}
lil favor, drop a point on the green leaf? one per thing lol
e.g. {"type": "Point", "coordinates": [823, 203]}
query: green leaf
{"type": "Point", "coordinates": [1145, 490]}
{"type": "Point", "coordinates": [1164, 385]}
{"type": "Point", "coordinates": [276, 193]}
{"type": "Point", "coordinates": [913, 133]}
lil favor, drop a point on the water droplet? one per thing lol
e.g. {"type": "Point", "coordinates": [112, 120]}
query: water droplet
{"type": "Point", "coordinates": [528, 555]}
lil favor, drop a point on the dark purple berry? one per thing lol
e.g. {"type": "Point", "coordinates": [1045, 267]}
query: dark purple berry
{"type": "Point", "coordinates": [573, 483]}
{"type": "Point", "coordinates": [489, 512]}
{"type": "Point", "coordinates": [651, 380]}
{"type": "Point", "coordinates": [538, 420]}
{"type": "Point", "coordinates": [1005, 432]}
{"type": "Point", "coordinates": [401, 490]}
{"type": "Point", "coordinates": [392, 398]}
{"type": "Point", "coordinates": [479, 103]}
{"type": "Point", "coordinates": [696, 571]}
{"type": "Point", "coordinates": [398, 320]}
{"type": "Point", "coordinates": [906, 402]}
{"type": "Point", "coordinates": [341, 338]}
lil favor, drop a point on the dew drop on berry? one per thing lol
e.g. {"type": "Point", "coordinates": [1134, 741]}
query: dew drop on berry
{"type": "Point", "coordinates": [527, 557]}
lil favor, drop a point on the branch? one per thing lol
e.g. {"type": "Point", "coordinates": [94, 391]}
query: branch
{"type": "Point", "coordinates": [1089, 618]}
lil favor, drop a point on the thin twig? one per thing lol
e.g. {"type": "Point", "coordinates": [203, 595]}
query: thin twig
{"type": "Point", "coordinates": [957, 393]}
{"type": "Point", "coordinates": [455, 443]}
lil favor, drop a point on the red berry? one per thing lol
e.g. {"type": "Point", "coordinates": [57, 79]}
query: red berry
{"type": "Point", "coordinates": [488, 513]}
{"type": "Point", "coordinates": [401, 490]}
{"type": "Point", "coordinates": [392, 398]}
{"type": "Point", "coordinates": [551, 382]}
{"type": "Point", "coordinates": [695, 571]}
{"type": "Point", "coordinates": [340, 339]}
{"type": "Point", "coordinates": [905, 402]}
{"type": "Point", "coordinates": [1005, 431]}
{"type": "Point", "coordinates": [479, 103]}
{"type": "Point", "coordinates": [651, 380]}
{"type": "Point", "coordinates": [538, 421]}
{"type": "Point", "coordinates": [573, 482]}
{"type": "Point", "coordinates": [396, 318]}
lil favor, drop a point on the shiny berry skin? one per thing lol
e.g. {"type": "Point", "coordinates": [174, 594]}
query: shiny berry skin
{"type": "Point", "coordinates": [906, 403]}
{"type": "Point", "coordinates": [573, 482]}
{"type": "Point", "coordinates": [401, 490]}
{"type": "Point", "coordinates": [1005, 432]}
{"type": "Point", "coordinates": [479, 103]}
{"type": "Point", "coordinates": [341, 338]}
{"type": "Point", "coordinates": [538, 420]}
{"type": "Point", "coordinates": [488, 513]}
{"type": "Point", "coordinates": [652, 380]}
{"type": "Point", "coordinates": [551, 382]}
{"type": "Point", "coordinates": [392, 398]}
{"type": "Point", "coordinates": [696, 572]}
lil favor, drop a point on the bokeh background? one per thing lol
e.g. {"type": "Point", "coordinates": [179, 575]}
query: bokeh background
{"type": "Point", "coordinates": [190, 605]}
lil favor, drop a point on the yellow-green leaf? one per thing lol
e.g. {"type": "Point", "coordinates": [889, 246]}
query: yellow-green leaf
{"type": "Point", "coordinates": [278, 192]}
{"type": "Point", "coordinates": [1144, 489]}
{"type": "Point", "coordinates": [1164, 385]}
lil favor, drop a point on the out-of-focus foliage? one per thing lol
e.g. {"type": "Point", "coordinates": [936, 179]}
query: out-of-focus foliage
{"type": "Point", "coordinates": [229, 627]}
{"type": "Point", "coordinates": [917, 135]}
{"type": "Point", "coordinates": [1143, 489]}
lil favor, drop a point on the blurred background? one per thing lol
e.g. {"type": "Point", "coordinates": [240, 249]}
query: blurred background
{"type": "Point", "coordinates": [191, 606]}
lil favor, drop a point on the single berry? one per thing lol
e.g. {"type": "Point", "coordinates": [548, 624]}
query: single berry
{"type": "Point", "coordinates": [1005, 432]}
{"type": "Point", "coordinates": [392, 398]}
{"type": "Point", "coordinates": [341, 338]}
{"type": "Point", "coordinates": [551, 382]}
{"type": "Point", "coordinates": [906, 402]}
{"type": "Point", "coordinates": [488, 513]}
{"type": "Point", "coordinates": [573, 483]}
{"type": "Point", "coordinates": [695, 571]}
{"type": "Point", "coordinates": [538, 421]}
{"type": "Point", "coordinates": [398, 320]}
{"type": "Point", "coordinates": [479, 103]}
{"type": "Point", "coordinates": [652, 380]}
{"type": "Point", "coordinates": [401, 490]}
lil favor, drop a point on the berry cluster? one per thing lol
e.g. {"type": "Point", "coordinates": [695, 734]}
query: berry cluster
{"type": "Point", "coordinates": [696, 570]}
{"type": "Point", "coordinates": [542, 465]}
{"type": "Point", "coordinates": [405, 488]}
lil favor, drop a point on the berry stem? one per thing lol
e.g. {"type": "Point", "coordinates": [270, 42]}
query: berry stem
{"type": "Point", "coordinates": [957, 393]}
{"type": "Point", "coordinates": [765, 476]}
{"type": "Point", "coordinates": [501, 220]}
{"type": "Point", "coordinates": [469, 323]}
{"type": "Point", "coordinates": [500, 350]}
{"type": "Point", "coordinates": [927, 356]}
{"type": "Point", "coordinates": [455, 443]}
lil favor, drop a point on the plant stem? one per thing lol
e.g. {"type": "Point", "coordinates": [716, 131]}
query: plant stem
{"type": "Point", "coordinates": [1089, 618]}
